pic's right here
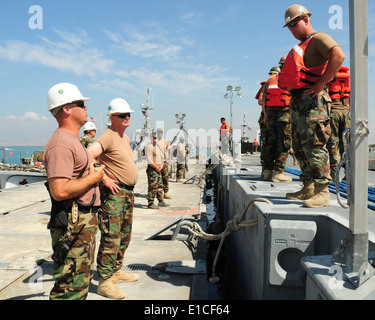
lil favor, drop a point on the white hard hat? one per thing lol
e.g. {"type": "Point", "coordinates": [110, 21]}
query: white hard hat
{"type": "Point", "coordinates": [61, 94]}
{"type": "Point", "coordinates": [88, 126]}
{"type": "Point", "coordinates": [118, 105]}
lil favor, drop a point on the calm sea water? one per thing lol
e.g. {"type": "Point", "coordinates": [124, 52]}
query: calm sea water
{"type": "Point", "coordinates": [13, 154]}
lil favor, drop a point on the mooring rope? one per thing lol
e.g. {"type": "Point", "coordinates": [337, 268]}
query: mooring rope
{"type": "Point", "coordinates": [233, 225]}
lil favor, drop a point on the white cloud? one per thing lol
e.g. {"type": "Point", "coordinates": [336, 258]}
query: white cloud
{"type": "Point", "coordinates": [164, 64]}
{"type": "Point", "coordinates": [161, 63]}
{"type": "Point", "coordinates": [27, 129]}
{"type": "Point", "coordinates": [175, 82]}
{"type": "Point", "coordinates": [66, 55]}
{"type": "Point", "coordinates": [193, 18]}
{"type": "Point", "coordinates": [30, 115]}
{"type": "Point", "coordinates": [146, 45]}
{"type": "Point", "coordinates": [79, 38]}
{"type": "Point", "coordinates": [27, 116]}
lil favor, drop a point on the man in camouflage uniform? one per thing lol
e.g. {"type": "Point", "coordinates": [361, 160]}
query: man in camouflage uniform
{"type": "Point", "coordinates": [113, 150]}
{"type": "Point", "coordinates": [166, 149]}
{"type": "Point", "coordinates": [72, 183]}
{"type": "Point", "coordinates": [340, 120]}
{"type": "Point", "coordinates": [340, 117]}
{"type": "Point", "coordinates": [260, 96]}
{"type": "Point", "coordinates": [181, 154]}
{"type": "Point", "coordinates": [89, 130]}
{"type": "Point", "coordinates": [155, 160]}
{"type": "Point", "coordinates": [307, 69]}
{"type": "Point", "coordinates": [277, 121]}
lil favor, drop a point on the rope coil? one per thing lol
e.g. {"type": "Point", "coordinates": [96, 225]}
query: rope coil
{"type": "Point", "coordinates": [234, 225]}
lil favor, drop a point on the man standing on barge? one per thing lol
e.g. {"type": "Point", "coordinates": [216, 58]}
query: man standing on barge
{"type": "Point", "coordinates": [307, 70]}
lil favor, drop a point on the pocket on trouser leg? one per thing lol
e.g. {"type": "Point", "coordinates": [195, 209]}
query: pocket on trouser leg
{"type": "Point", "coordinates": [320, 130]}
{"type": "Point", "coordinates": [72, 279]}
{"type": "Point", "coordinates": [324, 130]}
{"type": "Point", "coordinates": [103, 222]}
{"type": "Point", "coordinates": [316, 151]}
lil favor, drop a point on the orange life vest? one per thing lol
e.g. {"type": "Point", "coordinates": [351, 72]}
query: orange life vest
{"type": "Point", "coordinates": [340, 87]}
{"type": "Point", "coordinates": [294, 74]}
{"type": "Point", "coordinates": [276, 97]}
{"type": "Point", "coordinates": [223, 127]}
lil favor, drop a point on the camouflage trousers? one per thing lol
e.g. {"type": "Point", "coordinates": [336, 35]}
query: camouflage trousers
{"type": "Point", "coordinates": [180, 170]}
{"type": "Point", "coordinates": [155, 185]}
{"type": "Point", "coordinates": [310, 133]}
{"type": "Point", "coordinates": [115, 224]}
{"type": "Point", "coordinates": [340, 120]}
{"type": "Point", "coordinates": [263, 139]}
{"type": "Point", "coordinates": [73, 277]}
{"type": "Point", "coordinates": [279, 139]}
{"type": "Point", "coordinates": [165, 177]}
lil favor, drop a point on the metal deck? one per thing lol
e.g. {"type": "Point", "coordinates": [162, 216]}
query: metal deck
{"type": "Point", "coordinates": [265, 260]}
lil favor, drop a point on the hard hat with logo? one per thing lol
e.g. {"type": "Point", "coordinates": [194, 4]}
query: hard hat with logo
{"type": "Point", "coordinates": [118, 105]}
{"type": "Point", "coordinates": [61, 94]}
{"type": "Point", "coordinates": [88, 126]}
{"type": "Point", "coordinates": [295, 11]}
{"type": "Point", "coordinates": [275, 69]}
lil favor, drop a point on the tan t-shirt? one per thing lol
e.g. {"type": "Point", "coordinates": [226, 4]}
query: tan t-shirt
{"type": "Point", "coordinates": [65, 157]}
{"type": "Point", "coordinates": [317, 50]}
{"type": "Point", "coordinates": [154, 154]}
{"type": "Point", "coordinates": [117, 157]}
{"type": "Point", "coordinates": [180, 153]}
{"type": "Point", "coordinates": [164, 146]}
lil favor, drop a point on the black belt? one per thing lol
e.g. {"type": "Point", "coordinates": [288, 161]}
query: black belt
{"type": "Point", "coordinates": [93, 209]}
{"type": "Point", "coordinates": [125, 186]}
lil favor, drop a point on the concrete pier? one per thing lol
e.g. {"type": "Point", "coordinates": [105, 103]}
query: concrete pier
{"type": "Point", "coordinates": [168, 270]}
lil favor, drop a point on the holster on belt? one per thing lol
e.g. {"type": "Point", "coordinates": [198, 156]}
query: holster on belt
{"type": "Point", "coordinates": [59, 212]}
{"type": "Point", "coordinates": [62, 248]}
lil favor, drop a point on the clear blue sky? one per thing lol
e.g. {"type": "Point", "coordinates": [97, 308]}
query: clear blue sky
{"type": "Point", "coordinates": [187, 52]}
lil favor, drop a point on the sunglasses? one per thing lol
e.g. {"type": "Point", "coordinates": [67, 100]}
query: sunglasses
{"type": "Point", "coordinates": [80, 104]}
{"type": "Point", "coordinates": [123, 115]}
{"type": "Point", "coordinates": [294, 23]}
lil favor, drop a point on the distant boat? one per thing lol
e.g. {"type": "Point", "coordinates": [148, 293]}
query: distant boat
{"type": "Point", "coordinates": [30, 170]}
